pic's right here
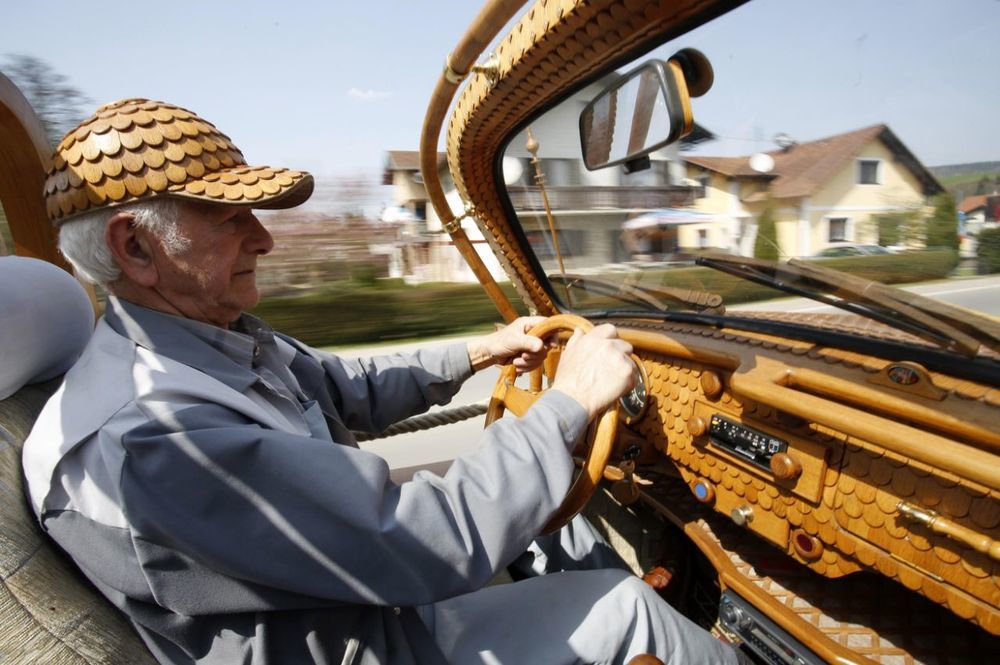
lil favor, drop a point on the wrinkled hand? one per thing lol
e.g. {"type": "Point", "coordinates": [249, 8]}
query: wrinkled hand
{"type": "Point", "coordinates": [595, 369]}
{"type": "Point", "coordinates": [511, 344]}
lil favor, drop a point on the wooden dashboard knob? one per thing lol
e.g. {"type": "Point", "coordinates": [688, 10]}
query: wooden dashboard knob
{"type": "Point", "coordinates": [697, 426]}
{"type": "Point", "coordinates": [742, 515]}
{"type": "Point", "coordinates": [703, 491]}
{"type": "Point", "coordinates": [785, 467]}
{"type": "Point", "coordinates": [711, 384]}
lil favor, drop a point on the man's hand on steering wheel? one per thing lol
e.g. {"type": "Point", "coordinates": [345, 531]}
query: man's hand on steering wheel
{"type": "Point", "coordinates": [511, 344]}
{"type": "Point", "coordinates": [595, 368]}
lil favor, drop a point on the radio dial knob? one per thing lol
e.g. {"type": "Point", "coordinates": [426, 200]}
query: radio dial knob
{"type": "Point", "coordinates": [711, 384]}
{"type": "Point", "coordinates": [731, 614]}
{"type": "Point", "coordinates": [785, 467]}
{"type": "Point", "coordinates": [697, 426]}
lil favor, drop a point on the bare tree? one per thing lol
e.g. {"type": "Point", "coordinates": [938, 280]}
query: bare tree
{"type": "Point", "coordinates": [57, 103]}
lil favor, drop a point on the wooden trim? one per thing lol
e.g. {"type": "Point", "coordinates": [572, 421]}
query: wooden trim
{"type": "Point", "coordinates": [730, 577]}
{"type": "Point", "coordinates": [25, 157]}
{"type": "Point", "coordinates": [487, 24]}
{"type": "Point", "coordinates": [854, 394]}
{"type": "Point", "coordinates": [767, 386]}
{"type": "Point", "coordinates": [670, 347]}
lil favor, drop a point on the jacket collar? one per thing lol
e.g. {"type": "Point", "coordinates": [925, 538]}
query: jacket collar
{"type": "Point", "coordinates": [226, 355]}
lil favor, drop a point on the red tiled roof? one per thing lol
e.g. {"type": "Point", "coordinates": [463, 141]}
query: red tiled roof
{"type": "Point", "coordinates": [805, 167]}
{"type": "Point", "coordinates": [970, 203]}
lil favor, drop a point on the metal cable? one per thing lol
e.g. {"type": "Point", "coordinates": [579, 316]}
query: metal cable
{"type": "Point", "coordinates": [428, 421]}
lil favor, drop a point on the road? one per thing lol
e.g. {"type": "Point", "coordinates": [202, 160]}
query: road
{"type": "Point", "coordinates": [440, 443]}
{"type": "Point", "coordinates": [978, 293]}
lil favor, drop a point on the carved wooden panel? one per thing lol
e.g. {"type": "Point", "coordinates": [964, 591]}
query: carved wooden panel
{"type": "Point", "coordinates": [841, 514]}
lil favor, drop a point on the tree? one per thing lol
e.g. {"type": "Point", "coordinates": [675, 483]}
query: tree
{"type": "Point", "coordinates": [765, 245]}
{"type": "Point", "coordinates": [57, 103]}
{"type": "Point", "coordinates": [898, 227]}
{"type": "Point", "coordinates": [983, 186]}
{"type": "Point", "coordinates": [941, 228]}
{"type": "Point", "coordinates": [988, 251]}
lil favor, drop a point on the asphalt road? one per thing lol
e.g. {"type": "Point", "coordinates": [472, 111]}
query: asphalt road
{"type": "Point", "coordinates": [442, 443]}
{"type": "Point", "coordinates": [977, 293]}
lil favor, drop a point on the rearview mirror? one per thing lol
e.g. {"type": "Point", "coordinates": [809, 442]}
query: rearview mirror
{"type": "Point", "coordinates": [643, 111]}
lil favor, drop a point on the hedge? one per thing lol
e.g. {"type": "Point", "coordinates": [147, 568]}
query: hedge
{"type": "Point", "coordinates": [988, 250]}
{"type": "Point", "coordinates": [351, 313]}
{"type": "Point", "coordinates": [905, 268]}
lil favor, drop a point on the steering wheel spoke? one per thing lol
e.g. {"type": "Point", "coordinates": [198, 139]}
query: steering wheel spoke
{"type": "Point", "coordinates": [518, 401]}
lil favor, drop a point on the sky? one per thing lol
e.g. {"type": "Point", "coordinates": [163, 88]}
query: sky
{"type": "Point", "coordinates": [330, 86]}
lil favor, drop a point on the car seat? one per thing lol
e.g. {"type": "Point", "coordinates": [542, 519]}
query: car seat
{"type": "Point", "coordinates": [49, 613]}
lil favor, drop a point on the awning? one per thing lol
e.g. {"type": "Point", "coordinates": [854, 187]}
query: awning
{"type": "Point", "coordinates": [667, 217]}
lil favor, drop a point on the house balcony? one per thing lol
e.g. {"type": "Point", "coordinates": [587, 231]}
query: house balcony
{"type": "Point", "coordinates": [604, 198]}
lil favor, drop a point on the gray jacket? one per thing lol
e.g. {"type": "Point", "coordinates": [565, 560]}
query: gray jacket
{"type": "Point", "coordinates": [207, 483]}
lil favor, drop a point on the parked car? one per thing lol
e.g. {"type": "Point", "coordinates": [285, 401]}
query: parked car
{"type": "Point", "coordinates": [850, 249]}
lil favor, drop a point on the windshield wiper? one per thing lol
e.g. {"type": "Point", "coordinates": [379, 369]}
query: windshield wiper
{"type": "Point", "coordinates": [644, 296]}
{"type": "Point", "coordinates": [920, 316]}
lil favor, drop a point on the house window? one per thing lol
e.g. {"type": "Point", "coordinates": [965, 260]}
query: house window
{"type": "Point", "coordinates": [838, 229]}
{"type": "Point", "coordinates": [702, 238]}
{"type": "Point", "coordinates": [420, 210]}
{"type": "Point", "coordinates": [868, 172]}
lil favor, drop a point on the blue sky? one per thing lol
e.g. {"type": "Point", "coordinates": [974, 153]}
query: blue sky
{"type": "Point", "coordinates": [330, 86]}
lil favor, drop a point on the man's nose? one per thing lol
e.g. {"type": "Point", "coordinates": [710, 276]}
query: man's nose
{"type": "Point", "coordinates": [259, 239]}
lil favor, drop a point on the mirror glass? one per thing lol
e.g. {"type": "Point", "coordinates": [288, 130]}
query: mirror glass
{"type": "Point", "coordinates": [629, 119]}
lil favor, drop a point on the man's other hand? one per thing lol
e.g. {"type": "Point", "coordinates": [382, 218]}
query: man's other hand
{"type": "Point", "coordinates": [511, 344]}
{"type": "Point", "coordinates": [595, 368]}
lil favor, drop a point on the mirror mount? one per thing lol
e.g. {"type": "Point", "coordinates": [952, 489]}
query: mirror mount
{"type": "Point", "coordinates": [637, 164]}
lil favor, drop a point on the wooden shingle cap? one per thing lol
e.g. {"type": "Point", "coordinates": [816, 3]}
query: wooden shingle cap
{"type": "Point", "coordinates": [136, 148]}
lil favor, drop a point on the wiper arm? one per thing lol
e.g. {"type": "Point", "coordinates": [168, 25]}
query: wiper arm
{"type": "Point", "coordinates": [702, 301]}
{"type": "Point", "coordinates": [983, 329]}
{"type": "Point", "coordinates": [847, 292]}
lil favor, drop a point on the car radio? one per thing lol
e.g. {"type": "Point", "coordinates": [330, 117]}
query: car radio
{"type": "Point", "coordinates": [751, 444]}
{"type": "Point", "coordinates": [760, 635]}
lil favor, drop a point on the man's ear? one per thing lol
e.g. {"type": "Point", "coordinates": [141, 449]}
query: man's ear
{"type": "Point", "coordinates": [131, 248]}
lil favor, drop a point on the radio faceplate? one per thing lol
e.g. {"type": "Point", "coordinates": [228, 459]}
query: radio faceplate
{"type": "Point", "coordinates": [761, 635]}
{"type": "Point", "coordinates": [751, 444]}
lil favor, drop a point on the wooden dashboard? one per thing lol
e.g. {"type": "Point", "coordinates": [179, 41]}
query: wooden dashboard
{"type": "Point", "coordinates": [872, 475]}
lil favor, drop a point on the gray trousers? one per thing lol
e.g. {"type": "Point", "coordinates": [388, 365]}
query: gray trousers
{"type": "Point", "coordinates": [582, 606]}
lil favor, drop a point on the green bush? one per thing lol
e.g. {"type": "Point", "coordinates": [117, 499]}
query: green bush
{"type": "Point", "coordinates": [350, 312]}
{"type": "Point", "coordinates": [765, 246]}
{"type": "Point", "coordinates": [988, 250]}
{"type": "Point", "coordinates": [903, 268]}
{"type": "Point", "coordinates": [898, 226]}
{"type": "Point", "coordinates": [942, 225]}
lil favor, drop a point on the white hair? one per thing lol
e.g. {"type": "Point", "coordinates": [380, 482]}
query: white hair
{"type": "Point", "coordinates": [81, 239]}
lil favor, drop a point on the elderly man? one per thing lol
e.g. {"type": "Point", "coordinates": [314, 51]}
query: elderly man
{"type": "Point", "coordinates": [200, 468]}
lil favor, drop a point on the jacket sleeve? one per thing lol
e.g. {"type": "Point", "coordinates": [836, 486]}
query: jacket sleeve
{"type": "Point", "coordinates": [325, 521]}
{"type": "Point", "coordinates": [369, 394]}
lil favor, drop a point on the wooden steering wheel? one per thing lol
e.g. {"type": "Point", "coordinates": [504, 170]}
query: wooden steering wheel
{"type": "Point", "coordinates": [600, 436]}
